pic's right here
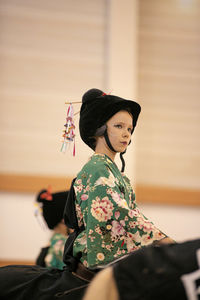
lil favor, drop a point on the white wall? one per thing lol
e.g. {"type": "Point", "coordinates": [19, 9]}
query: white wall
{"type": "Point", "coordinates": [22, 237]}
{"type": "Point", "coordinates": [179, 222]}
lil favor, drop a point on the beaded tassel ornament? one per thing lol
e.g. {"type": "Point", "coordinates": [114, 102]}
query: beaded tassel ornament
{"type": "Point", "coordinates": [69, 133]}
{"type": "Point", "coordinates": [39, 207]}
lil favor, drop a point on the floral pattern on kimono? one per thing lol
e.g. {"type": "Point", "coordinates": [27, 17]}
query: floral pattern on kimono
{"type": "Point", "coordinates": [105, 204]}
{"type": "Point", "coordinates": [54, 257]}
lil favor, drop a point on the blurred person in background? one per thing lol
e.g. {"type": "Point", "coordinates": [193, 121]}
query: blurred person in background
{"type": "Point", "coordinates": [50, 206]}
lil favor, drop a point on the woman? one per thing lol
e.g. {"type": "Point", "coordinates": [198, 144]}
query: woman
{"type": "Point", "coordinates": [100, 208]}
{"type": "Point", "coordinates": [52, 207]}
{"type": "Point", "coordinates": [112, 224]}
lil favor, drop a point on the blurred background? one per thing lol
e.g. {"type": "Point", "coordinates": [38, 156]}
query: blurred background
{"type": "Point", "coordinates": [52, 52]}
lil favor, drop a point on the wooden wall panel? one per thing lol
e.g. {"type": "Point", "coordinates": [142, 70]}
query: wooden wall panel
{"type": "Point", "coordinates": [50, 52]}
{"type": "Point", "coordinates": [168, 144]}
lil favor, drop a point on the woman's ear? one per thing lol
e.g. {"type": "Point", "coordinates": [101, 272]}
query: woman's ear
{"type": "Point", "coordinates": [100, 131]}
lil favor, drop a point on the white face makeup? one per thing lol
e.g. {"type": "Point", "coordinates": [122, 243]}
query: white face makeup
{"type": "Point", "coordinates": [119, 128]}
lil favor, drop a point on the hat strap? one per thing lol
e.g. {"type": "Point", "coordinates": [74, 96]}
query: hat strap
{"type": "Point", "coordinates": [108, 141]}
{"type": "Point", "coordinates": [123, 161]}
{"type": "Point", "coordinates": [111, 147]}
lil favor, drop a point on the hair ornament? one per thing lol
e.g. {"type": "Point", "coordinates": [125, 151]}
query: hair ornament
{"type": "Point", "coordinates": [105, 94]}
{"type": "Point", "coordinates": [47, 195]}
{"type": "Point", "coordinates": [38, 215]}
{"type": "Point", "coordinates": [69, 132]}
{"type": "Point", "coordinates": [38, 212]}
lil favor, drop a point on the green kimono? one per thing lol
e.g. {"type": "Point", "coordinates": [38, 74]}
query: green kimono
{"type": "Point", "coordinates": [54, 257]}
{"type": "Point", "coordinates": [105, 204]}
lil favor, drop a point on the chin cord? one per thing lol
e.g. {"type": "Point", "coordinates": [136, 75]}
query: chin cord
{"type": "Point", "coordinates": [108, 141]}
{"type": "Point", "coordinates": [123, 161]}
{"type": "Point", "coordinates": [111, 147]}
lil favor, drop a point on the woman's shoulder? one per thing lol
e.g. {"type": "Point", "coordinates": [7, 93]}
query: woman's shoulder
{"type": "Point", "coordinates": [58, 237]}
{"type": "Point", "coordinates": [96, 164]}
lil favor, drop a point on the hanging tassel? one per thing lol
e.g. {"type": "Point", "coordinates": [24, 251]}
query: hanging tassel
{"type": "Point", "coordinates": [74, 149]}
{"type": "Point", "coordinates": [69, 134]}
{"type": "Point", "coordinates": [39, 216]}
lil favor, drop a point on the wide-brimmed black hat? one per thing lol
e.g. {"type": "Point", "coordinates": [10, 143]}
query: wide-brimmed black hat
{"type": "Point", "coordinates": [97, 108]}
{"type": "Point", "coordinates": [52, 206]}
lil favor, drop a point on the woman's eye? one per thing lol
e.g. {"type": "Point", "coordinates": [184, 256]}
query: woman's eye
{"type": "Point", "coordinates": [130, 130]}
{"type": "Point", "coordinates": [118, 126]}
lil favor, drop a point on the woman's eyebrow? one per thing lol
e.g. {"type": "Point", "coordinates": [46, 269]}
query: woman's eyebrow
{"type": "Point", "coordinates": [121, 122]}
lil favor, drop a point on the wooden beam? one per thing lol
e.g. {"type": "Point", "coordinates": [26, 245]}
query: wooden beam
{"type": "Point", "coordinates": [144, 193]}
{"type": "Point", "coordinates": [167, 195]}
{"type": "Point", "coordinates": [33, 183]}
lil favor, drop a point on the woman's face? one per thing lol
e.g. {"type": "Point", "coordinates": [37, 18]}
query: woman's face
{"type": "Point", "coordinates": [119, 128]}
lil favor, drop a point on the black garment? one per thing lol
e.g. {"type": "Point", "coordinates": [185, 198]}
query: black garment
{"type": "Point", "coordinates": [71, 221]}
{"type": "Point", "coordinates": [40, 261]}
{"type": "Point", "coordinates": [157, 272]}
{"type": "Point", "coordinates": [18, 282]}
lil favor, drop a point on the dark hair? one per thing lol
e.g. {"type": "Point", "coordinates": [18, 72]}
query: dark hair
{"type": "Point", "coordinates": [52, 207]}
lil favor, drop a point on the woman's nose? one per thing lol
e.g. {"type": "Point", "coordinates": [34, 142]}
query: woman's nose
{"type": "Point", "coordinates": [126, 133]}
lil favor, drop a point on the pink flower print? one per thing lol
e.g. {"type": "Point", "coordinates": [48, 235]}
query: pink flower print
{"type": "Point", "coordinates": [102, 209]}
{"type": "Point", "coordinates": [120, 202]}
{"type": "Point", "coordinates": [129, 240]}
{"type": "Point", "coordinates": [133, 213]}
{"type": "Point", "coordinates": [122, 222]}
{"type": "Point", "coordinates": [84, 197]}
{"type": "Point", "coordinates": [79, 181]}
{"type": "Point", "coordinates": [119, 252]}
{"type": "Point", "coordinates": [117, 229]}
{"type": "Point", "coordinates": [117, 215]}
{"type": "Point", "coordinates": [146, 240]}
{"type": "Point", "coordinates": [98, 230]}
{"type": "Point", "coordinates": [148, 226]}
{"type": "Point", "coordinates": [78, 188]}
{"type": "Point", "coordinates": [140, 222]}
{"type": "Point", "coordinates": [108, 247]}
{"type": "Point", "coordinates": [157, 235]}
{"type": "Point", "coordinates": [132, 224]}
{"type": "Point", "coordinates": [79, 215]}
{"type": "Point", "coordinates": [109, 191]}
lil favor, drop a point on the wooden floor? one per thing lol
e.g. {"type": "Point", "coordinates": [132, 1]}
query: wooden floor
{"type": "Point", "coordinates": [14, 262]}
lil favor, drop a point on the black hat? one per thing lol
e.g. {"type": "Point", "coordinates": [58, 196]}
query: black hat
{"type": "Point", "coordinates": [97, 108]}
{"type": "Point", "coordinates": [52, 206]}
